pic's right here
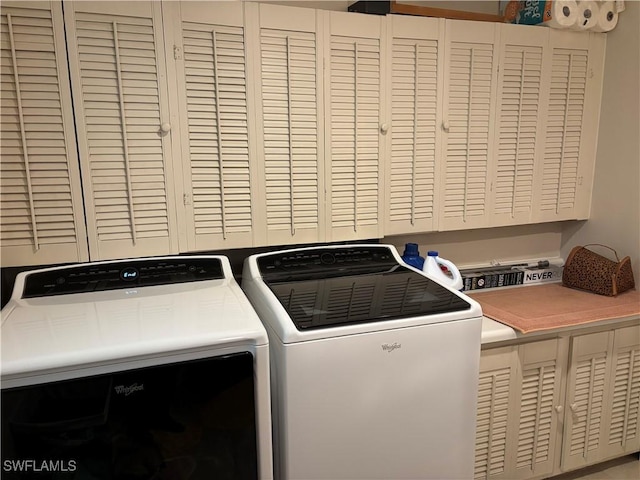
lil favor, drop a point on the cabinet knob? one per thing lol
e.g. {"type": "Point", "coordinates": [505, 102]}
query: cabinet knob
{"type": "Point", "coordinates": [384, 128]}
{"type": "Point", "coordinates": [559, 408]}
{"type": "Point", "coordinates": [165, 127]}
{"type": "Point", "coordinates": [446, 126]}
{"type": "Point", "coordinates": [573, 406]}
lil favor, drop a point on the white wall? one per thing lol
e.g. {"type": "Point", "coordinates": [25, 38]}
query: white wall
{"type": "Point", "coordinates": [615, 206]}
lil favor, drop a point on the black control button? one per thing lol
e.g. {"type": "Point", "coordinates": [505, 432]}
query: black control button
{"type": "Point", "coordinates": [327, 258]}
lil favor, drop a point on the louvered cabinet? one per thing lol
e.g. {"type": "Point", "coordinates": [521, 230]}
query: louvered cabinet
{"type": "Point", "coordinates": [574, 79]}
{"type": "Point", "coordinates": [495, 423]}
{"type": "Point", "coordinates": [118, 80]}
{"type": "Point", "coordinates": [211, 103]}
{"type": "Point", "coordinates": [471, 66]}
{"type": "Point", "coordinates": [519, 123]}
{"type": "Point", "coordinates": [622, 412]}
{"type": "Point", "coordinates": [587, 384]}
{"type": "Point", "coordinates": [602, 418]}
{"type": "Point", "coordinates": [354, 124]}
{"type": "Point", "coordinates": [519, 405]}
{"type": "Point", "coordinates": [41, 198]}
{"type": "Point", "coordinates": [415, 81]}
{"type": "Point", "coordinates": [289, 102]}
{"type": "Point", "coordinates": [539, 408]}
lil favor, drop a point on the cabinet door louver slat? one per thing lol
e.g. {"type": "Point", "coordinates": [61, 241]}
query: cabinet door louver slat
{"type": "Point", "coordinates": [536, 417]}
{"type": "Point", "coordinates": [626, 397]}
{"type": "Point", "coordinates": [624, 402]}
{"type": "Point", "coordinates": [468, 125]}
{"type": "Point", "coordinates": [587, 406]}
{"type": "Point", "coordinates": [414, 100]}
{"type": "Point", "coordinates": [119, 97]}
{"type": "Point", "coordinates": [290, 134]}
{"type": "Point", "coordinates": [491, 423]}
{"type": "Point", "coordinates": [218, 140]}
{"type": "Point", "coordinates": [39, 178]}
{"type": "Point", "coordinates": [353, 65]}
{"type": "Point", "coordinates": [517, 122]}
{"type": "Point", "coordinates": [565, 110]}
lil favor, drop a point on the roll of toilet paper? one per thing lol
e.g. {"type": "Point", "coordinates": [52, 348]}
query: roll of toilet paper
{"type": "Point", "coordinates": [607, 18]}
{"type": "Point", "coordinates": [562, 14]}
{"type": "Point", "coordinates": [588, 12]}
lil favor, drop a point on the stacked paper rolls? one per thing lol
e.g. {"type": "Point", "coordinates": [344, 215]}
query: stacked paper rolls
{"type": "Point", "coordinates": [588, 13]}
{"type": "Point", "coordinates": [564, 14]}
{"type": "Point", "coordinates": [607, 18]}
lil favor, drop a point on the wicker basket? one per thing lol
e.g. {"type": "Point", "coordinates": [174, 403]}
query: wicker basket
{"type": "Point", "coordinates": [586, 270]}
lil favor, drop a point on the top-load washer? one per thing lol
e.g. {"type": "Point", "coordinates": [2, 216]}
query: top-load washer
{"type": "Point", "coordinates": [154, 368]}
{"type": "Point", "coordinates": [374, 365]}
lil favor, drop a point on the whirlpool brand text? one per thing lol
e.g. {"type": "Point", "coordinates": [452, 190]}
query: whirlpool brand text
{"type": "Point", "coordinates": [390, 347]}
{"type": "Point", "coordinates": [126, 391]}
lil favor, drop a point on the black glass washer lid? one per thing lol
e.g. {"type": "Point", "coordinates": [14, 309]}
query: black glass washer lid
{"type": "Point", "coordinates": [394, 293]}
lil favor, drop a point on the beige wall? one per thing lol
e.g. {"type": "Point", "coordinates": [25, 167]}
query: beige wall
{"type": "Point", "coordinates": [615, 207]}
{"type": "Point", "coordinates": [484, 6]}
{"type": "Point", "coordinates": [473, 248]}
{"type": "Point", "coordinates": [478, 6]}
{"type": "Point", "coordinates": [338, 5]}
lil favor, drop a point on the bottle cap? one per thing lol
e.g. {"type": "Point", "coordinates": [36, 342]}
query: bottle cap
{"type": "Point", "coordinates": [432, 253]}
{"type": "Point", "coordinates": [411, 249]}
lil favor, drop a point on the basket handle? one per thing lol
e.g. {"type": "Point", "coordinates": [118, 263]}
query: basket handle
{"type": "Point", "coordinates": [605, 246]}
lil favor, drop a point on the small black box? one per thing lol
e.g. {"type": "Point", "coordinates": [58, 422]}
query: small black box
{"type": "Point", "coordinates": [376, 8]}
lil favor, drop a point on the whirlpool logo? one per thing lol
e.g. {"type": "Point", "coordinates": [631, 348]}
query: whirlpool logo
{"type": "Point", "coordinates": [390, 347]}
{"type": "Point", "coordinates": [126, 391]}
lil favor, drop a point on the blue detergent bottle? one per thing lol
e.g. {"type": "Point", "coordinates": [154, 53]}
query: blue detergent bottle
{"type": "Point", "coordinates": [411, 256]}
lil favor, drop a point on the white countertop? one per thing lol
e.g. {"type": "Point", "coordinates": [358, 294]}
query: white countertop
{"type": "Point", "coordinates": [493, 331]}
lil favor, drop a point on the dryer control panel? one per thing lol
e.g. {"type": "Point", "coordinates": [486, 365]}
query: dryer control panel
{"type": "Point", "coordinates": [93, 277]}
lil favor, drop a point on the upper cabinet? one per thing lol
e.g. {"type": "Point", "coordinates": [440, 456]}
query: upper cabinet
{"type": "Point", "coordinates": [414, 81]}
{"type": "Point", "coordinates": [211, 93]}
{"type": "Point", "coordinates": [288, 112]}
{"type": "Point", "coordinates": [144, 128]}
{"type": "Point", "coordinates": [468, 150]}
{"type": "Point", "coordinates": [353, 124]}
{"type": "Point", "coordinates": [572, 110]}
{"type": "Point", "coordinates": [41, 198]}
{"type": "Point", "coordinates": [519, 133]}
{"type": "Point", "coordinates": [118, 79]}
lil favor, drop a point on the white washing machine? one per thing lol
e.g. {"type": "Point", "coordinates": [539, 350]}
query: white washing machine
{"type": "Point", "coordinates": [147, 368]}
{"type": "Point", "coordinates": [374, 365]}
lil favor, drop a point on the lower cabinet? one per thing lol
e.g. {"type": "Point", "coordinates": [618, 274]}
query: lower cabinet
{"type": "Point", "coordinates": [550, 406]}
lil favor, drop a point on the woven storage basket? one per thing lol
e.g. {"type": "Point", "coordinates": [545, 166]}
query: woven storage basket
{"type": "Point", "coordinates": [586, 270]}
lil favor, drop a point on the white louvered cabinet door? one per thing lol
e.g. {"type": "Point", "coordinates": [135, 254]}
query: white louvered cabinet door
{"type": "Point", "coordinates": [587, 384]}
{"type": "Point", "coordinates": [519, 123]}
{"type": "Point", "coordinates": [354, 104]}
{"type": "Point", "coordinates": [571, 124]}
{"type": "Point", "coordinates": [468, 124]}
{"type": "Point", "coordinates": [494, 422]}
{"type": "Point", "coordinates": [539, 408]}
{"type": "Point", "coordinates": [209, 70]}
{"type": "Point", "coordinates": [623, 398]}
{"type": "Point", "coordinates": [116, 59]}
{"type": "Point", "coordinates": [288, 115]}
{"type": "Point", "coordinates": [415, 83]}
{"type": "Point", "coordinates": [40, 197]}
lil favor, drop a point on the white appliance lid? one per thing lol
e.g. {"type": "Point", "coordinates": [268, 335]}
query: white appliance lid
{"type": "Point", "coordinates": [70, 330]}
